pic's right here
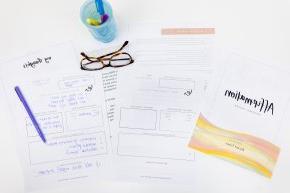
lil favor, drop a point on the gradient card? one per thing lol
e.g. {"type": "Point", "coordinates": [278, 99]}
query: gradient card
{"type": "Point", "coordinates": [243, 110]}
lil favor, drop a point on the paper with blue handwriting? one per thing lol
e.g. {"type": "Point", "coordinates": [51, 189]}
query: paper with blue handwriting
{"type": "Point", "coordinates": [70, 109]}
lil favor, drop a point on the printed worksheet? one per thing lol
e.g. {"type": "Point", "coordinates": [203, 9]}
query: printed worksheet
{"type": "Point", "coordinates": [243, 111]}
{"type": "Point", "coordinates": [187, 47]}
{"type": "Point", "coordinates": [71, 111]}
{"type": "Point", "coordinates": [154, 118]}
{"type": "Point", "coordinates": [151, 44]}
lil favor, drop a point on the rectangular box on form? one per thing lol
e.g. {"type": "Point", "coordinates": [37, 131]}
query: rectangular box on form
{"type": "Point", "coordinates": [147, 118]}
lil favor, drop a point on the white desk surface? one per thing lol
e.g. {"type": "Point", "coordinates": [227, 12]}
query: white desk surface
{"type": "Point", "coordinates": [257, 28]}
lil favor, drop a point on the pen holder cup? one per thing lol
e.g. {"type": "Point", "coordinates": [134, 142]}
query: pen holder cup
{"type": "Point", "coordinates": [105, 32]}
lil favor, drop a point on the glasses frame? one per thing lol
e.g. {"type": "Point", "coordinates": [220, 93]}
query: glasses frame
{"type": "Point", "coordinates": [86, 60]}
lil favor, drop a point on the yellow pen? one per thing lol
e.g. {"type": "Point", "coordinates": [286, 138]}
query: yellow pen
{"type": "Point", "coordinates": [93, 22]}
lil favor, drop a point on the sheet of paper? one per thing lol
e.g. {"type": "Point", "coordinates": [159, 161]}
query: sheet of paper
{"type": "Point", "coordinates": [190, 48]}
{"type": "Point", "coordinates": [154, 44]}
{"type": "Point", "coordinates": [109, 78]}
{"type": "Point", "coordinates": [71, 111]}
{"type": "Point", "coordinates": [158, 102]}
{"type": "Point", "coordinates": [243, 111]}
{"type": "Point", "coordinates": [154, 118]}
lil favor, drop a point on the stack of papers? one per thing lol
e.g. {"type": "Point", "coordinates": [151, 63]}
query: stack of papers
{"type": "Point", "coordinates": [143, 122]}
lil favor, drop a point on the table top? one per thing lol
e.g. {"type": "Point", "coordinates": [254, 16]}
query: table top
{"type": "Point", "coordinates": [258, 29]}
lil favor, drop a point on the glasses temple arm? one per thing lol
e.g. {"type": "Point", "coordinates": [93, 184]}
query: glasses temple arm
{"type": "Point", "coordinates": [87, 57]}
{"type": "Point", "coordinates": [123, 46]}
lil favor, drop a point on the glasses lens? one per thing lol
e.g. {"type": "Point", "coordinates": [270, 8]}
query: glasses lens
{"type": "Point", "coordinates": [121, 59]}
{"type": "Point", "coordinates": [93, 66]}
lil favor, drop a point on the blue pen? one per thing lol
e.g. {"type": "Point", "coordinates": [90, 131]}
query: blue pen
{"type": "Point", "coordinates": [28, 110]}
{"type": "Point", "coordinates": [101, 10]}
{"type": "Point", "coordinates": [100, 7]}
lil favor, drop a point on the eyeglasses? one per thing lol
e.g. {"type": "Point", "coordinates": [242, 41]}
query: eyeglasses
{"type": "Point", "coordinates": [114, 59]}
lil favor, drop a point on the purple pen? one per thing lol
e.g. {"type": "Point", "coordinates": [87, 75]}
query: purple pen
{"type": "Point", "coordinates": [30, 114]}
{"type": "Point", "coordinates": [104, 18]}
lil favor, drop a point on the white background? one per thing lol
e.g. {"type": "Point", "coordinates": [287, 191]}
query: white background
{"type": "Point", "coordinates": [256, 28]}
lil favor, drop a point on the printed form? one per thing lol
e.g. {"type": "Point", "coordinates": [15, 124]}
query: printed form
{"type": "Point", "coordinates": [71, 111]}
{"type": "Point", "coordinates": [152, 45]}
{"type": "Point", "coordinates": [154, 120]}
{"type": "Point", "coordinates": [159, 102]}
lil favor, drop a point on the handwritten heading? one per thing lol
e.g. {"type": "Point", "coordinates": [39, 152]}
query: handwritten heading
{"type": "Point", "coordinates": [37, 61]}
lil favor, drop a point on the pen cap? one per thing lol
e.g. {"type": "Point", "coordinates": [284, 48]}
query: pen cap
{"type": "Point", "coordinates": [107, 31]}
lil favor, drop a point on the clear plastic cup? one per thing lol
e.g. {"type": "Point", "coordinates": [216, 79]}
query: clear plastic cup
{"type": "Point", "coordinates": [105, 32]}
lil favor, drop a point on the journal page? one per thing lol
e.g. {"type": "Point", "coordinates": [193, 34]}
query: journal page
{"type": "Point", "coordinates": [70, 110]}
{"type": "Point", "coordinates": [242, 114]}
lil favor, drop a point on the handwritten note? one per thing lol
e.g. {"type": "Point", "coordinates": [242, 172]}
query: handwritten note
{"type": "Point", "coordinates": [37, 61]}
{"type": "Point", "coordinates": [70, 109]}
